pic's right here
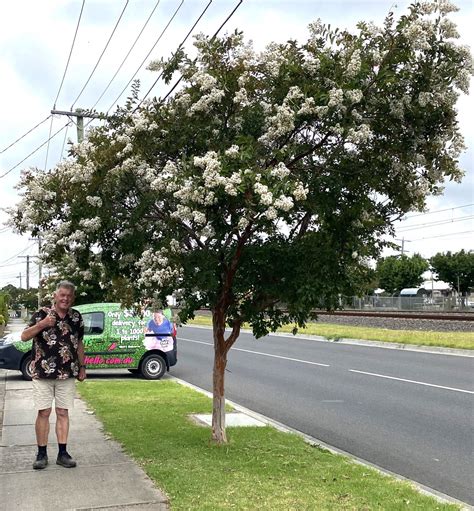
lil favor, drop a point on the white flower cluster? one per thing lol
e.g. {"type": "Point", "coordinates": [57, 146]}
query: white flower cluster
{"type": "Point", "coordinates": [272, 58]}
{"type": "Point", "coordinates": [278, 125]}
{"type": "Point", "coordinates": [284, 203]}
{"type": "Point", "coordinates": [300, 192]}
{"type": "Point", "coordinates": [94, 201]}
{"type": "Point", "coordinates": [232, 151]}
{"type": "Point", "coordinates": [311, 63]}
{"type": "Point", "coordinates": [204, 80]}
{"type": "Point", "coordinates": [204, 103]}
{"type": "Point", "coordinates": [418, 33]}
{"type": "Point", "coordinates": [241, 98]}
{"type": "Point", "coordinates": [281, 171]}
{"type": "Point", "coordinates": [90, 224]}
{"type": "Point", "coordinates": [336, 98]}
{"type": "Point", "coordinates": [361, 135]}
{"type": "Point", "coordinates": [353, 66]}
{"type": "Point", "coordinates": [266, 197]}
{"type": "Point", "coordinates": [445, 7]}
{"type": "Point", "coordinates": [212, 166]}
{"type": "Point", "coordinates": [156, 270]}
{"type": "Point", "coordinates": [424, 98]}
{"type": "Point", "coordinates": [354, 95]}
{"type": "Point", "coordinates": [448, 29]}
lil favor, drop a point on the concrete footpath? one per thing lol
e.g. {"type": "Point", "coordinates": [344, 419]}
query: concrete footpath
{"type": "Point", "coordinates": [105, 477]}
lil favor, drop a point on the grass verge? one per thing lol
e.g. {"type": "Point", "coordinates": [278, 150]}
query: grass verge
{"type": "Point", "coordinates": [260, 468]}
{"type": "Point", "coordinates": [460, 340]}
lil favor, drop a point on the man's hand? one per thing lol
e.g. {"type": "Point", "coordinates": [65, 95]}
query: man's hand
{"type": "Point", "coordinates": [48, 322]}
{"type": "Point", "coordinates": [82, 374]}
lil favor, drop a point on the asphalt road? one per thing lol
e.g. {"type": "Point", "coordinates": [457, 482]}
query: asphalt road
{"type": "Point", "coordinates": [409, 412]}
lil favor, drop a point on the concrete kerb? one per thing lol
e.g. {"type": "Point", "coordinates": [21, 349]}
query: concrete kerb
{"type": "Point", "coordinates": [426, 490]}
{"type": "Point", "coordinates": [435, 350]}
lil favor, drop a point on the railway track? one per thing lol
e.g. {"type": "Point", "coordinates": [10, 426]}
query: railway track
{"type": "Point", "coordinates": [431, 315]}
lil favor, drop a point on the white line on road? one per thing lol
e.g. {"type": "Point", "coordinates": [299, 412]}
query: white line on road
{"type": "Point", "coordinates": [259, 353]}
{"type": "Point", "coordinates": [412, 381]}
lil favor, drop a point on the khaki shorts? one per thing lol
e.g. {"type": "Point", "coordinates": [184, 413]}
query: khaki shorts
{"type": "Point", "coordinates": [62, 391]}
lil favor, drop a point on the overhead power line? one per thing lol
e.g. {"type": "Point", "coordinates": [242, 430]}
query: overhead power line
{"type": "Point", "coordinates": [25, 134]}
{"type": "Point", "coordinates": [101, 55]}
{"type": "Point", "coordinates": [32, 152]}
{"type": "Point", "coordinates": [127, 55]}
{"type": "Point", "coordinates": [434, 224]}
{"type": "Point", "coordinates": [70, 53]}
{"type": "Point", "coordinates": [444, 235]}
{"type": "Point", "coordinates": [146, 56]}
{"type": "Point", "coordinates": [179, 47]}
{"type": "Point", "coordinates": [435, 211]}
{"type": "Point", "coordinates": [16, 255]}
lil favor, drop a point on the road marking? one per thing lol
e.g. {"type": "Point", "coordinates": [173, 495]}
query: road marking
{"type": "Point", "coordinates": [260, 353]}
{"type": "Point", "coordinates": [412, 381]}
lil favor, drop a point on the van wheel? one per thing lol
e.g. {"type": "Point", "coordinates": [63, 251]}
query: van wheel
{"type": "Point", "coordinates": [26, 367]}
{"type": "Point", "coordinates": [153, 367]}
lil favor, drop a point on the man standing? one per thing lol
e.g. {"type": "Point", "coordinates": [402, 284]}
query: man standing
{"type": "Point", "coordinates": [57, 358]}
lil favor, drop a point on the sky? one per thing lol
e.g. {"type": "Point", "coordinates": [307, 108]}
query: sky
{"type": "Point", "coordinates": [36, 40]}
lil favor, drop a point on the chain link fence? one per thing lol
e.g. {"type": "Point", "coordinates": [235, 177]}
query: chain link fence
{"type": "Point", "coordinates": [410, 303]}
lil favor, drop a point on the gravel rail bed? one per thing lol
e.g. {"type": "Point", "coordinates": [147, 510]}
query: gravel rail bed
{"type": "Point", "coordinates": [433, 325]}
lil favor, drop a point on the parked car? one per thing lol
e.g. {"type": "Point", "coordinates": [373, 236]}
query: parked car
{"type": "Point", "coordinates": [114, 338]}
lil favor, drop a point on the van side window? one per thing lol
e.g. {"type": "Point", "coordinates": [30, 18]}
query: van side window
{"type": "Point", "coordinates": [93, 323]}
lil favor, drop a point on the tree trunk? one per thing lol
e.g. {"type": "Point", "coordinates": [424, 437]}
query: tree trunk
{"type": "Point", "coordinates": [218, 399]}
{"type": "Point", "coordinates": [220, 362]}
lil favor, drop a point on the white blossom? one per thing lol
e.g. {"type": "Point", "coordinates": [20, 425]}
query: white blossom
{"type": "Point", "coordinates": [243, 223]}
{"type": "Point", "coordinates": [300, 192]}
{"type": "Point", "coordinates": [90, 224]}
{"type": "Point", "coordinates": [281, 171]}
{"type": "Point", "coordinates": [353, 66]}
{"type": "Point", "coordinates": [354, 95]}
{"type": "Point", "coordinates": [232, 151]}
{"type": "Point", "coordinates": [241, 98]}
{"type": "Point", "coordinates": [284, 203]}
{"type": "Point", "coordinates": [94, 201]}
{"type": "Point", "coordinates": [271, 213]}
{"type": "Point", "coordinates": [336, 97]}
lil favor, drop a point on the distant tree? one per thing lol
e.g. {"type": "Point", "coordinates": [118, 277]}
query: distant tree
{"type": "Point", "coordinates": [455, 268]}
{"type": "Point", "coordinates": [19, 297]}
{"type": "Point", "coordinates": [398, 272]}
{"type": "Point", "coordinates": [267, 177]}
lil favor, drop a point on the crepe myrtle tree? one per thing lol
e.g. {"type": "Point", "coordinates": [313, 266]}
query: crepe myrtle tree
{"type": "Point", "coordinates": [262, 184]}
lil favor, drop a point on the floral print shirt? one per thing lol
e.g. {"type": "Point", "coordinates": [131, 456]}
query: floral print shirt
{"type": "Point", "coordinates": [54, 352]}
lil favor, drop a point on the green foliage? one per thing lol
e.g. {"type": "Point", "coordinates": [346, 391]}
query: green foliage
{"type": "Point", "coordinates": [455, 268]}
{"type": "Point", "coordinates": [398, 272]}
{"type": "Point", "coordinates": [18, 297]}
{"type": "Point", "coordinates": [4, 302]}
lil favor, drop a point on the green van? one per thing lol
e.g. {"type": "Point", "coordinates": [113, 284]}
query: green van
{"type": "Point", "coordinates": [114, 338]}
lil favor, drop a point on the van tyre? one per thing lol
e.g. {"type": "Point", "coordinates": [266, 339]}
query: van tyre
{"type": "Point", "coordinates": [26, 367]}
{"type": "Point", "coordinates": [153, 367]}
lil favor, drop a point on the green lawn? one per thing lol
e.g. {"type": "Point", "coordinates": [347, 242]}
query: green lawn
{"type": "Point", "coordinates": [259, 469]}
{"type": "Point", "coordinates": [462, 340]}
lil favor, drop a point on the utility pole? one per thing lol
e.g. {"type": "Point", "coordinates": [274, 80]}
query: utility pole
{"type": "Point", "coordinates": [40, 273]}
{"type": "Point", "coordinates": [27, 271]}
{"type": "Point", "coordinates": [79, 114]}
{"type": "Point", "coordinates": [403, 244]}
{"type": "Point", "coordinates": [19, 277]}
